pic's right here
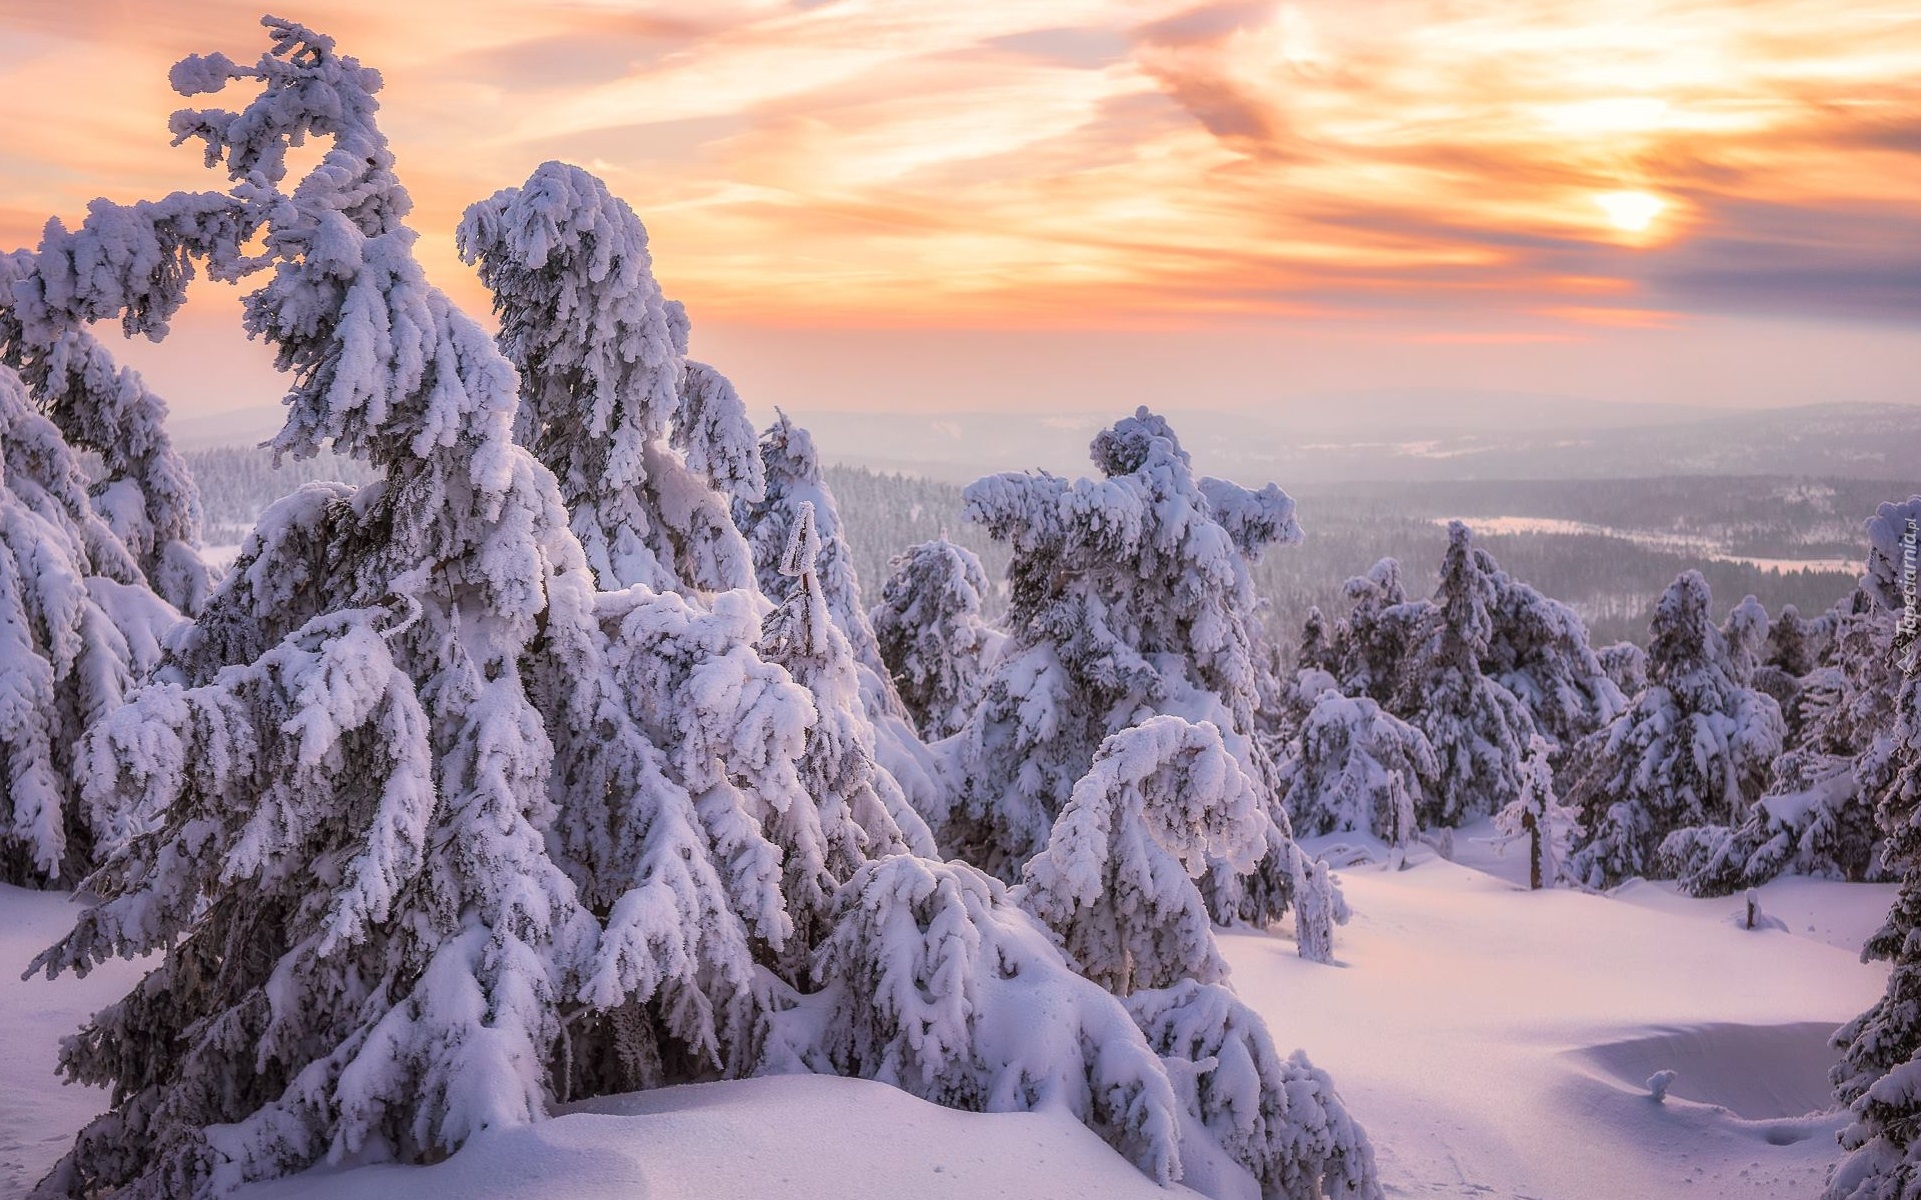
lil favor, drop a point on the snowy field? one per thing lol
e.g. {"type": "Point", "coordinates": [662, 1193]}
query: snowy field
{"type": "Point", "coordinates": [1496, 1043]}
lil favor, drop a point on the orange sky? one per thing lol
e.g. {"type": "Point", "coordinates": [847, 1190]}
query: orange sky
{"type": "Point", "coordinates": [1707, 201]}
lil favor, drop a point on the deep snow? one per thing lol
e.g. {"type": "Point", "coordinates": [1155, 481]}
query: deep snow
{"type": "Point", "coordinates": [1495, 1042]}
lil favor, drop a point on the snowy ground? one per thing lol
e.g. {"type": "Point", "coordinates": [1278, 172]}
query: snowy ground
{"type": "Point", "coordinates": [1496, 1043]}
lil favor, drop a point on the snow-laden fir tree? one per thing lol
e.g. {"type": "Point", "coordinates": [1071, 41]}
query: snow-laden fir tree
{"type": "Point", "coordinates": [1274, 1123]}
{"type": "Point", "coordinates": [1694, 748]}
{"type": "Point", "coordinates": [1817, 817]}
{"type": "Point", "coordinates": [859, 810]}
{"type": "Point", "coordinates": [1318, 650]}
{"type": "Point", "coordinates": [672, 769]}
{"type": "Point", "coordinates": [339, 781]}
{"type": "Point", "coordinates": [793, 479]}
{"type": "Point", "coordinates": [1627, 665]}
{"type": "Point", "coordinates": [1116, 879]}
{"type": "Point", "coordinates": [1538, 650]}
{"type": "Point", "coordinates": [1355, 766]}
{"type": "Point", "coordinates": [78, 627]}
{"type": "Point", "coordinates": [1879, 1075]}
{"type": "Point", "coordinates": [1537, 819]}
{"type": "Point", "coordinates": [1794, 644]}
{"type": "Point", "coordinates": [1128, 598]}
{"type": "Point", "coordinates": [933, 977]}
{"type": "Point", "coordinates": [1383, 629]}
{"type": "Point", "coordinates": [645, 444]}
{"type": "Point", "coordinates": [1745, 634]}
{"type": "Point", "coordinates": [144, 492]}
{"type": "Point", "coordinates": [1477, 728]}
{"type": "Point", "coordinates": [929, 629]}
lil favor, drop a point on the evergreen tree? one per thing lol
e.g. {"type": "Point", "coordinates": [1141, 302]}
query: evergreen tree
{"type": "Point", "coordinates": [929, 629]}
{"type": "Point", "coordinates": [673, 768]}
{"type": "Point", "coordinates": [793, 479]}
{"type": "Point", "coordinates": [1694, 748]}
{"type": "Point", "coordinates": [1626, 665]}
{"type": "Point", "coordinates": [1355, 766]}
{"type": "Point", "coordinates": [1116, 879]}
{"type": "Point", "coordinates": [1127, 599]}
{"type": "Point", "coordinates": [933, 979]}
{"type": "Point", "coordinates": [858, 809]}
{"type": "Point", "coordinates": [1538, 650]}
{"type": "Point", "coordinates": [1538, 818]}
{"type": "Point", "coordinates": [1817, 817]}
{"type": "Point", "coordinates": [1879, 1075]}
{"type": "Point", "coordinates": [144, 492]}
{"type": "Point", "coordinates": [1745, 634]}
{"type": "Point", "coordinates": [1318, 650]}
{"type": "Point", "coordinates": [339, 779]}
{"type": "Point", "coordinates": [603, 374]}
{"type": "Point", "coordinates": [1382, 631]}
{"type": "Point", "coordinates": [1278, 1123]}
{"type": "Point", "coordinates": [1793, 643]}
{"type": "Point", "coordinates": [1477, 728]}
{"type": "Point", "coordinates": [78, 627]}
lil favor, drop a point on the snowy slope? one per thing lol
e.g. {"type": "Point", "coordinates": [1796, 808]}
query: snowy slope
{"type": "Point", "coordinates": [1495, 1043]}
{"type": "Point", "coordinates": [38, 1116]}
{"type": "Point", "coordinates": [798, 1138]}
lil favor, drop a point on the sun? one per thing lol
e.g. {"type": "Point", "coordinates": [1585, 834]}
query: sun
{"type": "Point", "coordinates": [1630, 212]}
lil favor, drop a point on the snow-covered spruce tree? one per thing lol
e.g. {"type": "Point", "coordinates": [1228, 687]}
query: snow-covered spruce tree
{"type": "Point", "coordinates": [930, 632]}
{"type": "Point", "coordinates": [1278, 1121]}
{"type": "Point", "coordinates": [1116, 879]}
{"type": "Point", "coordinates": [1794, 644]}
{"type": "Point", "coordinates": [1879, 1075]}
{"type": "Point", "coordinates": [1382, 631]}
{"type": "Point", "coordinates": [793, 479]}
{"type": "Point", "coordinates": [78, 627]}
{"type": "Point", "coordinates": [603, 376]}
{"type": "Point", "coordinates": [144, 492]}
{"type": "Point", "coordinates": [1318, 650]}
{"type": "Point", "coordinates": [1745, 634]}
{"type": "Point", "coordinates": [1694, 747]}
{"type": "Point", "coordinates": [858, 809]}
{"type": "Point", "coordinates": [1355, 766]}
{"type": "Point", "coordinates": [672, 776]}
{"type": "Point", "coordinates": [933, 976]}
{"type": "Point", "coordinates": [1817, 817]}
{"type": "Point", "coordinates": [1538, 819]}
{"type": "Point", "coordinates": [1627, 665]}
{"type": "Point", "coordinates": [1538, 650]}
{"type": "Point", "coordinates": [1127, 598]}
{"type": "Point", "coordinates": [1477, 728]}
{"type": "Point", "coordinates": [339, 780]}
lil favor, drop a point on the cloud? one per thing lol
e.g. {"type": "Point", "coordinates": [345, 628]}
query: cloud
{"type": "Point", "coordinates": [1103, 164]}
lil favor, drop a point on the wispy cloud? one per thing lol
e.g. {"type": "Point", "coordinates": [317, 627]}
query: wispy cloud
{"type": "Point", "coordinates": [1096, 163]}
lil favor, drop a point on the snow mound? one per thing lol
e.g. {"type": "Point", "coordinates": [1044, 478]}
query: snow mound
{"type": "Point", "coordinates": [1757, 1072]}
{"type": "Point", "coordinates": [799, 1137]}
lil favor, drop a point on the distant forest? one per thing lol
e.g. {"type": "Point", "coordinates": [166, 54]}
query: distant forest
{"type": "Point", "coordinates": [1612, 581]}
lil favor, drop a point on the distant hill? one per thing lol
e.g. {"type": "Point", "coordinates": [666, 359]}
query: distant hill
{"type": "Point", "coordinates": [1402, 436]}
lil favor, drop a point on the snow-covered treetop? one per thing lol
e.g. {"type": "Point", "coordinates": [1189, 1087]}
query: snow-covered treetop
{"type": "Point", "coordinates": [793, 481]}
{"type": "Point", "coordinates": [1466, 593]}
{"type": "Point", "coordinates": [1745, 634]}
{"type": "Point", "coordinates": [603, 376]}
{"type": "Point", "coordinates": [1144, 551]}
{"type": "Point", "coordinates": [1891, 553]}
{"type": "Point", "coordinates": [1683, 642]}
{"type": "Point", "coordinates": [581, 317]}
{"type": "Point", "coordinates": [383, 364]}
{"type": "Point", "coordinates": [1538, 649]}
{"type": "Point", "coordinates": [929, 628]}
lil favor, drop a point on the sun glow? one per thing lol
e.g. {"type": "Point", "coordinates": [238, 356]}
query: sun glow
{"type": "Point", "coordinates": [1630, 212]}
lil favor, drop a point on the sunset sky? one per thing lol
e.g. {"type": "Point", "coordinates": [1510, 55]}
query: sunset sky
{"type": "Point", "coordinates": [1081, 205]}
